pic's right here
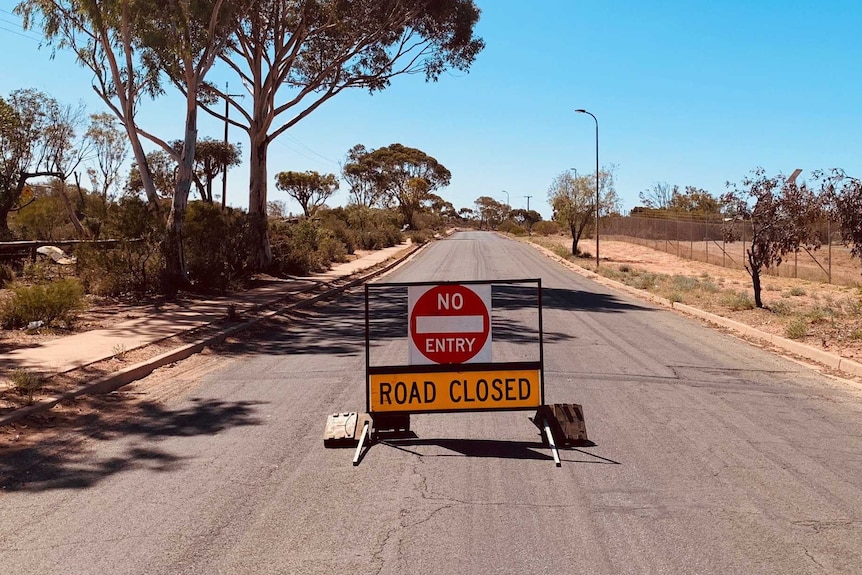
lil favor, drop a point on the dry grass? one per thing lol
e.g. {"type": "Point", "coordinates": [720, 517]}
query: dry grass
{"type": "Point", "coordinates": [818, 314]}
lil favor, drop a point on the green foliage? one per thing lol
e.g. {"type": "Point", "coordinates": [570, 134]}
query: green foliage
{"type": "Point", "coordinates": [303, 248]}
{"type": "Point", "coordinates": [217, 245]}
{"type": "Point", "coordinates": [684, 283]}
{"type": "Point", "coordinates": [781, 308]}
{"type": "Point", "coordinates": [399, 175]}
{"type": "Point", "coordinates": [311, 189]}
{"type": "Point", "coordinates": [363, 228]}
{"type": "Point", "coordinates": [796, 329]}
{"type": "Point", "coordinates": [546, 228]}
{"type": "Point", "coordinates": [421, 237]}
{"type": "Point", "coordinates": [510, 227]}
{"type": "Point", "coordinates": [26, 383]}
{"type": "Point", "coordinates": [58, 300]}
{"type": "Point", "coordinates": [136, 264]}
{"type": "Point", "coordinates": [737, 301]}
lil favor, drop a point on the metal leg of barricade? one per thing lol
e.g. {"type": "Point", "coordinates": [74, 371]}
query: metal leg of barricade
{"type": "Point", "coordinates": [361, 444]}
{"type": "Point", "coordinates": [551, 443]}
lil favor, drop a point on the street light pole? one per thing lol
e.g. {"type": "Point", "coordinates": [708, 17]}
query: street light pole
{"type": "Point", "coordinates": [581, 111]}
{"type": "Point", "coordinates": [508, 205]}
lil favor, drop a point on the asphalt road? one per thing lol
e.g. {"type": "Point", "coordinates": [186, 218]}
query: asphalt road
{"type": "Point", "coordinates": [710, 456]}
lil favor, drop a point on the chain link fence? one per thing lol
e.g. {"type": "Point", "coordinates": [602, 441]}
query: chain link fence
{"type": "Point", "coordinates": [704, 240]}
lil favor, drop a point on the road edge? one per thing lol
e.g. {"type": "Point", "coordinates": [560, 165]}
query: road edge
{"type": "Point", "coordinates": [115, 380]}
{"type": "Point", "coordinates": [826, 358]}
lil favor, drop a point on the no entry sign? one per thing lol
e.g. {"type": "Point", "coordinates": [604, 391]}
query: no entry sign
{"type": "Point", "coordinates": [449, 324]}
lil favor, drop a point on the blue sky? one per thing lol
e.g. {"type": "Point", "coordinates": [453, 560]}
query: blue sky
{"type": "Point", "coordinates": [689, 93]}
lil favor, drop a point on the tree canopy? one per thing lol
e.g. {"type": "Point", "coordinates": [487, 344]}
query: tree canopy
{"type": "Point", "coordinates": [310, 189]}
{"type": "Point", "coordinates": [401, 176]}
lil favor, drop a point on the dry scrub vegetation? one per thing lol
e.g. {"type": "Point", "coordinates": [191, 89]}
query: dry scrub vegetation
{"type": "Point", "coordinates": [821, 315]}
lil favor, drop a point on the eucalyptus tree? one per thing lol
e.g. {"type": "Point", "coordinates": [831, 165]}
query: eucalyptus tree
{"type": "Point", "coordinates": [294, 55]}
{"type": "Point", "coordinates": [404, 177]}
{"type": "Point", "coordinates": [310, 189]}
{"type": "Point", "coordinates": [489, 212]}
{"type": "Point", "coordinates": [110, 149]}
{"type": "Point", "coordinates": [781, 214]}
{"type": "Point", "coordinates": [363, 191]}
{"type": "Point", "coordinates": [573, 199]}
{"type": "Point", "coordinates": [131, 46]}
{"type": "Point", "coordinates": [31, 146]}
{"type": "Point", "coordinates": [842, 196]}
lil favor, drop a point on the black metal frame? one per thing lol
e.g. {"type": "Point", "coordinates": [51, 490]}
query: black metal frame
{"type": "Point", "coordinates": [460, 367]}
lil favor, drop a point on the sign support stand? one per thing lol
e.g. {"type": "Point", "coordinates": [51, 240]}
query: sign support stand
{"type": "Point", "coordinates": [361, 444]}
{"type": "Point", "coordinates": [551, 443]}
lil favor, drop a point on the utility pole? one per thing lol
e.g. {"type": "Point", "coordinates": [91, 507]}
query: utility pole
{"type": "Point", "coordinates": [528, 202]}
{"type": "Point", "coordinates": [227, 95]}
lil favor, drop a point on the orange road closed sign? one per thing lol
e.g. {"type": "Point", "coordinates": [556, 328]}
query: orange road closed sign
{"type": "Point", "coordinates": [418, 392]}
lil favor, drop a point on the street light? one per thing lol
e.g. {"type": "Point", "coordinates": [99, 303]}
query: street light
{"type": "Point", "coordinates": [597, 183]}
{"type": "Point", "coordinates": [508, 205]}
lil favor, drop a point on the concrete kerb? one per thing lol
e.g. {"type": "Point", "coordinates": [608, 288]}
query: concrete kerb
{"type": "Point", "coordinates": [113, 381]}
{"type": "Point", "coordinates": [824, 357]}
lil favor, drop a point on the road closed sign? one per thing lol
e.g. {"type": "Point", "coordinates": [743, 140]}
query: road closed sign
{"type": "Point", "coordinates": [449, 324]}
{"type": "Point", "coordinates": [422, 392]}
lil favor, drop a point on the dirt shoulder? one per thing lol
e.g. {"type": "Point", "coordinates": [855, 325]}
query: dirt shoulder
{"type": "Point", "coordinates": [824, 316]}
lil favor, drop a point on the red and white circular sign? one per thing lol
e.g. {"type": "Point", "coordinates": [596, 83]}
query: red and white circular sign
{"type": "Point", "coordinates": [450, 323]}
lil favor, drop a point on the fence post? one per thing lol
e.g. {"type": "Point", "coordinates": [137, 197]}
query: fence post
{"type": "Point", "coordinates": [706, 238]}
{"type": "Point", "coordinates": [829, 241]}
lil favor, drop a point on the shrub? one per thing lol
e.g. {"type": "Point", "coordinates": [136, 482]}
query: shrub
{"type": "Point", "coordinates": [7, 274]}
{"type": "Point", "coordinates": [58, 300]}
{"type": "Point", "coordinates": [625, 268]}
{"type": "Point", "coordinates": [796, 329]}
{"type": "Point", "coordinates": [738, 301]}
{"type": "Point", "coordinates": [421, 237]}
{"type": "Point", "coordinates": [128, 267]}
{"type": "Point", "coordinates": [545, 228]}
{"type": "Point", "coordinates": [781, 308]}
{"type": "Point", "coordinates": [684, 283]}
{"type": "Point", "coordinates": [26, 383]}
{"type": "Point", "coordinates": [303, 248]}
{"type": "Point", "coordinates": [217, 244]}
{"type": "Point", "coordinates": [136, 264]}
{"type": "Point", "coordinates": [644, 281]}
{"type": "Point", "coordinates": [796, 290]}
{"type": "Point", "coordinates": [363, 228]}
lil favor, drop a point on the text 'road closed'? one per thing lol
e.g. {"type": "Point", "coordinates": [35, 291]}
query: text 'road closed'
{"type": "Point", "coordinates": [455, 391]}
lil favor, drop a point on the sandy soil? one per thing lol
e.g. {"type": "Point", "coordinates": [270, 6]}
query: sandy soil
{"type": "Point", "coordinates": [818, 314]}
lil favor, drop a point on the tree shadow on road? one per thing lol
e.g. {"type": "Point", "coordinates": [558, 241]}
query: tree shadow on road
{"type": "Point", "coordinates": [62, 456]}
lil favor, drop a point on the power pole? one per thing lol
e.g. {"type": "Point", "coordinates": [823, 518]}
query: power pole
{"type": "Point", "coordinates": [227, 95]}
{"type": "Point", "coordinates": [528, 202]}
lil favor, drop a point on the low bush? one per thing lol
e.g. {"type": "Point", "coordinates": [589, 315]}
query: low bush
{"type": "Point", "coordinates": [303, 248]}
{"type": "Point", "coordinates": [738, 301]}
{"type": "Point", "coordinates": [59, 300]}
{"type": "Point", "coordinates": [128, 267]}
{"type": "Point", "coordinates": [545, 228]}
{"type": "Point", "coordinates": [216, 242]}
{"type": "Point", "coordinates": [26, 383]}
{"type": "Point", "coordinates": [796, 329]}
{"type": "Point", "coordinates": [7, 274]}
{"type": "Point", "coordinates": [421, 237]}
{"type": "Point", "coordinates": [781, 308]}
{"type": "Point", "coordinates": [684, 283]}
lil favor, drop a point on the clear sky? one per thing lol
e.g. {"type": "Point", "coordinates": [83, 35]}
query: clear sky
{"type": "Point", "coordinates": [686, 92]}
